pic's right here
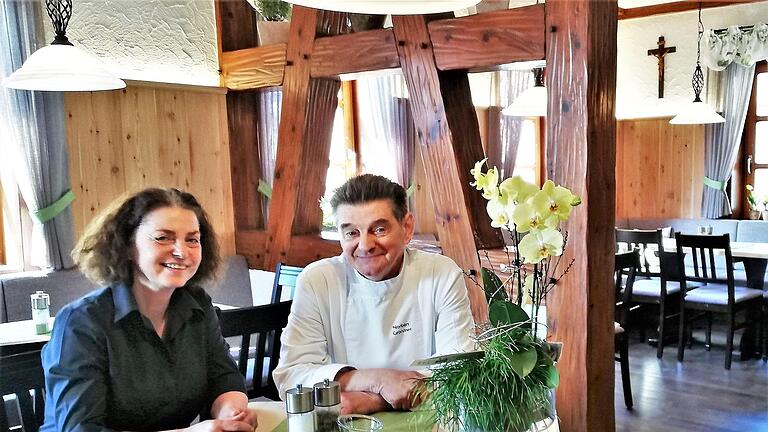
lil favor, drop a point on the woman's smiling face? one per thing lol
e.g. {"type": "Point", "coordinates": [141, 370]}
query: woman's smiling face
{"type": "Point", "coordinates": [167, 249]}
{"type": "Point", "coordinates": [372, 239]}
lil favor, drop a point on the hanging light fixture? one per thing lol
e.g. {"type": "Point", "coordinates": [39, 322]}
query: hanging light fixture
{"type": "Point", "coordinates": [61, 66]}
{"type": "Point", "coordinates": [533, 101]}
{"type": "Point", "coordinates": [385, 7]}
{"type": "Point", "coordinates": [698, 112]}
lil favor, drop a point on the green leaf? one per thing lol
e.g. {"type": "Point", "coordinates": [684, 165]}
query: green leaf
{"type": "Point", "coordinates": [502, 313]}
{"type": "Point", "coordinates": [523, 362]}
{"type": "Point", "coordinates": [491, 284]}
{"type": "Point", "coordinates": [553, 377]}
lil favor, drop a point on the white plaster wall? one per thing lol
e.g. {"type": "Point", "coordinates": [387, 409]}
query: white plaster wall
{"type": "Point", "coordinates": [636, 81]}
{"type": "Point", "coordinates": [150, 40]}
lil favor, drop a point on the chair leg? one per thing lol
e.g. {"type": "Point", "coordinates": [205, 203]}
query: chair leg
{"type": "Point", "coordinates": [708, 342]}
{"type": "Point", "coordinates": [729, 341]}
{"type": "Point", "coordinates": [624, 363]}
{"type": "Point", "coordinates": [681, 334]}
{"type": "Point", "coordinates": [764, 332]}
{"type": "Point", "coordinates": [662, 319]}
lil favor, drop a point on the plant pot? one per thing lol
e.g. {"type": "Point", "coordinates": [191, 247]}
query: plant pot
{"type": "Point", "coordinates": [753, 215]}
{"type": "Point", "coordinates": [362, 22]}
{"type": "Point", "coordinates": [272, 32]}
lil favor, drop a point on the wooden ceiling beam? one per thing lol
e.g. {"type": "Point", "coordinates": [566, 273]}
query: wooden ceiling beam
{"type": "Point", "coordinates": [489, 39]}
{"type": "Point", "coordinates": [252, 68]}
{"type": "Point", "coordinates": [680, 6]}
{"type": "Point", "coordinates": [375, 50]}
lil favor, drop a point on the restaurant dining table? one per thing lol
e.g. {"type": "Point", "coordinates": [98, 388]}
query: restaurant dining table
{"type": "Point", "coordinates": [272, 418]}
{"type": "Point", "coordinates": [20, 336]}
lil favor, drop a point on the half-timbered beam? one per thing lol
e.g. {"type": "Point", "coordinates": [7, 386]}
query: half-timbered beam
{"type": "Point", "coordinates": [375, 50]}
{"type": "Point", "coordinates": [675, 7]}
{"type": "Point", "coordinates": [252, 68]}
{"type": "Point", "coordinates": [581, 147]}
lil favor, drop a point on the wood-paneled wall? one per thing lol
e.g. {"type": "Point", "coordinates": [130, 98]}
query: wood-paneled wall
{"type": "Point", "coordinates": [150, 135]}
{"type": "Point", "coordinates": [659, 169]}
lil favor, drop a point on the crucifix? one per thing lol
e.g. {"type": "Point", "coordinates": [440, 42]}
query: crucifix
{"type": "Point", "coordinates": [659, 53]}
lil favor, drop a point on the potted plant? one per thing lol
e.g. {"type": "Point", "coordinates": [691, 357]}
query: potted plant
{"type": "Point", "coordinates": [507, 385]}
{"type": "Point", "coordinates": [753, 212]}
{"type": "Point", "coordinates": [275, 26]}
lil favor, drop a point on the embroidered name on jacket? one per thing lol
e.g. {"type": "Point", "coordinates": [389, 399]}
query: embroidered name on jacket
{"type": "Point", "coordinates": [401, 328]}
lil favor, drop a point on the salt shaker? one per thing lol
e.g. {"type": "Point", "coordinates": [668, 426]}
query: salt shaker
{"type": "Point", "coordinates": [300, 406]}
{"type": "Point", "coordinates": [327, 405]}
{"type": "Point", "coordinates": [41, 312]}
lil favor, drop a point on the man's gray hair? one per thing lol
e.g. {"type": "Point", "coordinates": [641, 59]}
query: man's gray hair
{"type": "Point", "coordinates": [369, 187]}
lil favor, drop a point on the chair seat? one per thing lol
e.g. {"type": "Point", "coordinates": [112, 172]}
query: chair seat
{"type": "Point", "coordinates": [718, 294]}
{"type": "Point", "coordinates": [652, 287]}
{"type": "Point", "coordinates": [617, 328]}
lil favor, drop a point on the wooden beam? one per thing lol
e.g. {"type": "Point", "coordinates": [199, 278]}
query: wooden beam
{"type": "Point", "coordinates": [245, 166]}
{"type": "Point", "coordinates": [303, 251]}
{"type": "Point", "coordinates": [581, 145]}
{"type": "Point", "coordinates": [331, 55]}
{"type": "Point", "coordinates": [489, 39]}
{"type": "Point", "coordinates": [445, 164]}
{"type": "Point", "coordinates": [681, 6]}
{"type": "Point", "coordinates": [252, 68]}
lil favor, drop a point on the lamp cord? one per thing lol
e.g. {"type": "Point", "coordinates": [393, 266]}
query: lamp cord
{"type": "Point", "coordinates": [60, 11]}
{"type": "Point", "coordinates": [697, 82]}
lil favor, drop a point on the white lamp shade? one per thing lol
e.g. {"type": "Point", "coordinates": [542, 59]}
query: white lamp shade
{"type": "Point", "coordinates": [63, 68]}
{"type": "Point", "coordinates": [697, 113]}
{"type": "Point", "coordinates": [391, 7]}
{"type": "Point", "coordinates": [531, 103]}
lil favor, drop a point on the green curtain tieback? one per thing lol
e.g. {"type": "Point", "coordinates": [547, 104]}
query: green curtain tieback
{"type": "Point", "coordinates": [45, 214]}
{"type": "Point", "coordinates": [265, 189]}
{"type": "Point", "coordinates": [714, 184]}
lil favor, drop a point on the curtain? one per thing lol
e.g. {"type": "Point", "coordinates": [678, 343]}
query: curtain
{"type": "Point", "coordinates": [270, 103]}
{"type": "Point", "coordinates": [745, 46]}
{"type": "Point", "coordinates": [504, 131]}
{"type": "Point", "coordinates": [722, 140]}
{"type": "Point", "coordinates": [387, 133]}
{"type": "Point", "coordinates": [37, 149]}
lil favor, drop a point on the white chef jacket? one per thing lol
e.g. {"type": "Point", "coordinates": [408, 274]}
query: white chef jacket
{"type": "Point", "coordinates": [340, 319]}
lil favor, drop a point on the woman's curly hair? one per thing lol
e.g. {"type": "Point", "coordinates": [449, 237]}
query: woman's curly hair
{"type": "Point", "coordinates": [103, 253]}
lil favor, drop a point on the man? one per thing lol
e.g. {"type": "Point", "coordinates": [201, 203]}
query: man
{"type": "Point", "coordinates": [361, 318]}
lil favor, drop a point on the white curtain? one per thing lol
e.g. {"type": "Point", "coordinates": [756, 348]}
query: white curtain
{"type": "Point", "coordinates": [387, 134]}
{"type": "Point", "coordinates": [270, 102]}
{"type": "Point", "coordinates": [35, 148]}
{"type": "Point", "coordinates": [722, 141]}
{"type": "Point", "coordinates": [743, 46]}
{"type": "Point", "coordinates": [504, 131]}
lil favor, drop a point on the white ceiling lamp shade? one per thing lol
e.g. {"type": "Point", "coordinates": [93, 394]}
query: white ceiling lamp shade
{"type": "Point", "coordinates": [62, 66]}
{"type": "Point", "coordinates": [533, 101]}
{"type": "Point", "coordinates": [388, 7]}
{"type": "Point", "coordinates": [698, 112]}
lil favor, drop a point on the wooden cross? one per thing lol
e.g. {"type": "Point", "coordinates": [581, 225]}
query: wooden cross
{"type": "Point", "coordinates": [659, 53]}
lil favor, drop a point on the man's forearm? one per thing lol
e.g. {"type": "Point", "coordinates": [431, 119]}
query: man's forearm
{"type": "Point", "coordinates": [363, 403]}
{"type": "Point", "coordinates": [360, 380]}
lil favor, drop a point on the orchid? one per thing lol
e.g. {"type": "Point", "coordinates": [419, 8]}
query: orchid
{"type": "Point", "coordinates": [539, 245]}
{"type": "Point", "coordinates": [554, 200]}
{"type": "Point", "coordinates": [487, 182]}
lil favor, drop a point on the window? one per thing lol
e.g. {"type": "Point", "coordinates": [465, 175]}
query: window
{"type": "Point", "coordinates": [756, 134]}
{"type": "Point", "coordinates": [528, 154]}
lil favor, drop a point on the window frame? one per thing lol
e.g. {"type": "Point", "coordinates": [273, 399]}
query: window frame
{"type": "Point", "coordinates": [750, 138]}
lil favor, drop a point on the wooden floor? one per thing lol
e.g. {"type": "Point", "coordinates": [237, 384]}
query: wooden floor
{"type": "Point", "coordinates": [696, 395]}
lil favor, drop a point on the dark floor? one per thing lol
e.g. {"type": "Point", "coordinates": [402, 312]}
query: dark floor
{"type": "Point", "coordinates": [695, 395]}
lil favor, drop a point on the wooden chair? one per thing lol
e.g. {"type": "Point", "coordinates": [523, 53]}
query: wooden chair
{"type": "Point", "coordinates": [625, 267]}
{"type": "Point", "coordinates": [719, 295]}
{"type": "Point", "coordinates": [655, 284]}
{"type": "Point", "coordinates": [20, 373]}
{"type": "Point", "coordinates": [285, 277]}
{"type": "Point", "coordinates": [266, 323]}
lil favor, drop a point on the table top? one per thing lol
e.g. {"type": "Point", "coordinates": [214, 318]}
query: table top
{"type": "Point", "coordinates": [738, 249]}
{"type": "Point", "coordinates": [22, 332]}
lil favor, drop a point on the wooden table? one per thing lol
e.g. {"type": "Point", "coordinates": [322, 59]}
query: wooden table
{"type": "Point", "coordinates": [753, 255]}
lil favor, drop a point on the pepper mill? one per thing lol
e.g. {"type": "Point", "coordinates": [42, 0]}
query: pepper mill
{"type": "Point", "coordinates": [300, 406]}
{"type": "Point", "coordinates": [41, 312]}
{"type": "Point", "coordinates": [327, 405]}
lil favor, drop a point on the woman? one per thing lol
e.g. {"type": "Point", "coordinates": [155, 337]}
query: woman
{"type": "Point", "coordinates": [146, 352]}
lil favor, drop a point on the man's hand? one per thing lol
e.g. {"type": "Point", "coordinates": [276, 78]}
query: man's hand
{"type": "Point", "coordinates": [395, 386]}
{"type": "Point", "coordinates": [363, 403]}
{"type": "Point", "coordinates": [232, 424]}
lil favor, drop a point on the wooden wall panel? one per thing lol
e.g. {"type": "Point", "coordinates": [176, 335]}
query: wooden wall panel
{"type": "Point", "coordinates": [659, 169]}
{"type": "Point", "coordinates": [142, 136]}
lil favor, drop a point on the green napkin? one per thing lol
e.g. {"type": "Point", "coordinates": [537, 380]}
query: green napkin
{"type": "Point", "coordinates": [418, 421]}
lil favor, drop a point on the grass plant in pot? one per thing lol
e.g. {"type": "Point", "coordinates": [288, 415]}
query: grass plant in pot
{"type": "Point", "coordinates": [275, 27]}
{"type": "Point", "coordinates": [507, 386]}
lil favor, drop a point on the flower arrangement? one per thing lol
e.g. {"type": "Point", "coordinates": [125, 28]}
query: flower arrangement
{"type": "Point", "coordinates": [755, 203]}
{"type": "Point", "coordinates": [507, 385]}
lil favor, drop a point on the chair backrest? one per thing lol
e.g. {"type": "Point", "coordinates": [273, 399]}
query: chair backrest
{"type": "Point", "coordinates": [285, 277]}
{"type": "Point", "coordinates": [649, 243]}
{"type": "Point", "coordinates": [266, 323]}
{"type": "Point", "coordinates": [702, 265]}
{"type": "Point", "coordinates": [625, 268]}
{"type": "Point", "coordinates": [20, 373]}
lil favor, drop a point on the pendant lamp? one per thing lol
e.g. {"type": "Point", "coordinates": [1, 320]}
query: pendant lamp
{"type": "Point", "coordinates": [385, 7]}
{"type": "Point", "coordinates": [698, 112]}
{"type": "Point", "coordinates": [61, 66]}
{"type": "Point", "coordinates": [533, 101]}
